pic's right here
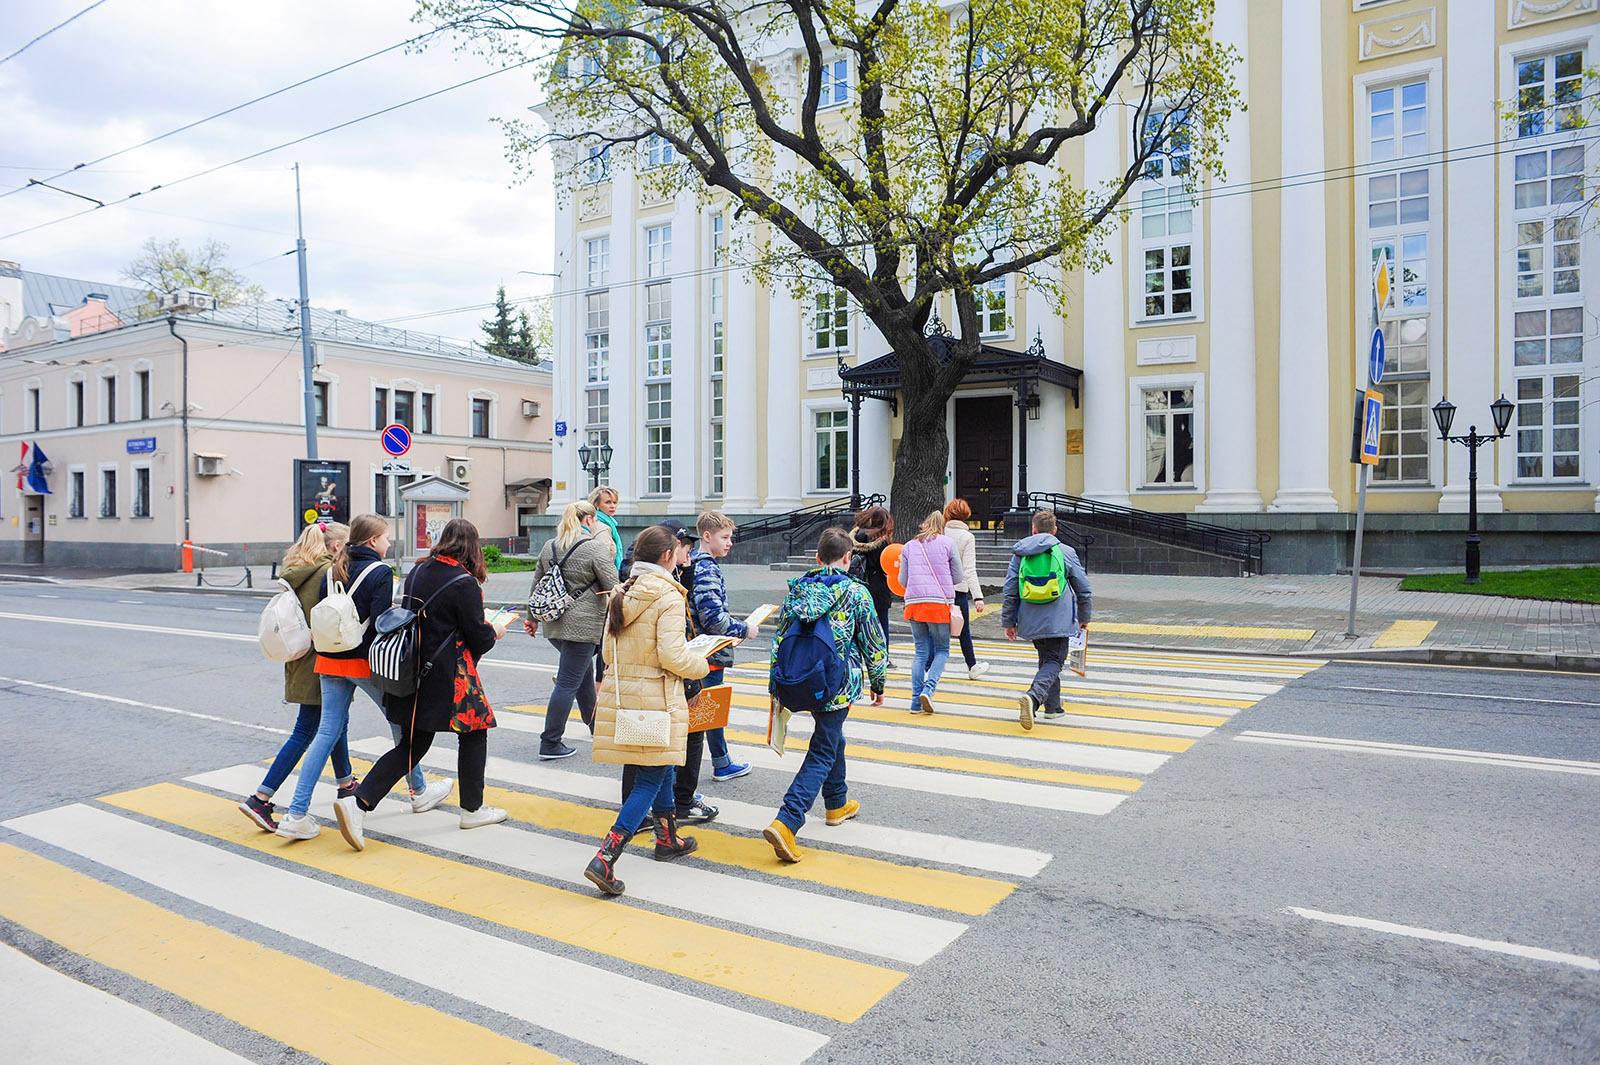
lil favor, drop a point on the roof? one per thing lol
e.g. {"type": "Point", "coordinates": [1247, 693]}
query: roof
{"type": "Point", "coordinates": [880, 378]}
{"type": "Point", "coordinates": [44, 295]}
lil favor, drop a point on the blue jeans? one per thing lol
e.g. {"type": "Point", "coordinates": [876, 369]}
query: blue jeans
{"type": "Point", "coordinates": [651, 793]}
{"type": "Point", "coordinates": [932, 642]}
{"type": "Point", "coordinates": [305, 727]}
{"type": "Point", "coordinates": [337, 694]}
{"type": "Point", "coordinates": [964, 601]}
{"type": "Point", "coordinates": [574, 673]}
{"type": "Point", "coordinates": [822, 770]}
{"type": "Point", "coordinates": [714, 738]}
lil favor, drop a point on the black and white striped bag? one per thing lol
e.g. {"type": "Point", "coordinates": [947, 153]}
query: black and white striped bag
{"type": "Point", "coordinates": [549, 597]}
{"type": "Point", "coordinates": [395, 655]}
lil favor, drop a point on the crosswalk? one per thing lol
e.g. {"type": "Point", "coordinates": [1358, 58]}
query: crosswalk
{"type": "Point", "coordinates": [439, 944]}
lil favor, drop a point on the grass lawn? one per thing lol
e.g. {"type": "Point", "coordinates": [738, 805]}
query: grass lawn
{"type": "Point", "coordinates": [509, 565]}
{"type": "Point", "coordinates": [1578, 584]}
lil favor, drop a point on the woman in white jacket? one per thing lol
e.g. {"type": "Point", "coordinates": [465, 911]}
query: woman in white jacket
{"type": "Point", "coordinates": [969, 592]}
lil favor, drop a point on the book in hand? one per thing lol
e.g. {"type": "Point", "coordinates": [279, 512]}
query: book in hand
{"type": "Point", "coordinates": [1078, 653]}
{"type": "Point", "coordinates": [760, 614]}
{"type": "Point", "coordinates": [707, 644]}
{"type": "Point", "coordinates": [777, 726]}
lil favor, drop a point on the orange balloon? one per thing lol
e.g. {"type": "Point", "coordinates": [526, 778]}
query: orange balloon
{"type": "Point", "coordinates": [890, 561]}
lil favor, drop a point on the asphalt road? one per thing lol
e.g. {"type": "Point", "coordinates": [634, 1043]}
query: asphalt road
{"type": "Point", "coordinates": [1179, 926]}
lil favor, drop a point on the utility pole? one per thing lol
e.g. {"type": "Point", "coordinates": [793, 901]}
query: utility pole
{"type": "Point", "coordinates": [306, 358]}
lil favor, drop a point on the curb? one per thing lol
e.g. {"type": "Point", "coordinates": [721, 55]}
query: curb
{"type": "Point", "coordinates": [27, 578]}
{"type": "Point", "coordinates": [1476, 657]}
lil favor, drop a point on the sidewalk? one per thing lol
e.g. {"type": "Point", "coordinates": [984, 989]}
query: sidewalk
{"type": "Point", "coordinates": [1279, 615]}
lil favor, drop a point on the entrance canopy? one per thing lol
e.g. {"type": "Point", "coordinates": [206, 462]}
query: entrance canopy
{"type": "Point", "coordinates": [1022, 371]}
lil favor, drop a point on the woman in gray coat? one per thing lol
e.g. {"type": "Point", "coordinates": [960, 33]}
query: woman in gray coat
{"type": "Point", "coordinates": [588, 567]}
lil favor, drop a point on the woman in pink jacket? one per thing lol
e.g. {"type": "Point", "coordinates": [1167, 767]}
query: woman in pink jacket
{"type": "Point", "coordinates": [930, 572]}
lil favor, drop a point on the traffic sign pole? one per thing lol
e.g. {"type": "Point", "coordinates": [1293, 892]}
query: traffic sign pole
{"type": "Point", "coordinates": [1375, 358]}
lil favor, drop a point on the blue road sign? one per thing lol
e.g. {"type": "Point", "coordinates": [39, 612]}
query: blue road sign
{"type": "Point", "coordinates": [1371, 420]}
{"type": "Point", "coordinates": [141, 445]}
{"type": "Point", "coordinates": [396, 439]}
{"type": "Point", "coordinates": [561, 428]}
{"type": "Point", "coordinates": [1375, 358]}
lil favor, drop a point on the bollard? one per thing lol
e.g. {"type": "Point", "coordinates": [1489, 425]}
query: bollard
{"type": "Point", "coordinates": [249, 582]}
{"type": "Point", "coordinates": [188, 556]}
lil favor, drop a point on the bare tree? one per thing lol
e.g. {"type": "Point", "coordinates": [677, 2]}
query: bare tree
{"type": "Point", "coordinates": [162, 267]}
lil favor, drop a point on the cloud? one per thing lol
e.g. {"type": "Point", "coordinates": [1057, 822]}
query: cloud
{"type": "Point", "coordinates": [407, 213]}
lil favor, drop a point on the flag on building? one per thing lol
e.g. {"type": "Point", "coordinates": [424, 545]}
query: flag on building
{"type": "Point", "coordinates": [22, 469]}
{"type": "Point", "coordinates": [36, 481]}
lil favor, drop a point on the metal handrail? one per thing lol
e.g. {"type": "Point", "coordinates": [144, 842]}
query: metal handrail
{"type": "Point", "coordinates": [1076, 539]}
{"type": "Point", "coordinates": [797, 522]}
{"type": "Point", "coordinates": [1178, 530]}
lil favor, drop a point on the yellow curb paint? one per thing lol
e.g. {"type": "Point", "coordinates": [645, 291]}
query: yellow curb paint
{"type": "Point", "coordinates": [1405, 634]}
{"type": "Point", "coordinates": [837, 988]}
{"type": "Point", "coordinates": [961, 765]}
{"type": "Point", "coordinates": [304, 1006]}
{"type": "Point", "coordinates": [957, 892]}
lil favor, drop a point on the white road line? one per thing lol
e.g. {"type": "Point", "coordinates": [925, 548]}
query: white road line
{"type": "Point", "coordinates": [41, 595]}
{"type": "Point", "coordinates": [1442, 754]}
{"type": "Point", "coordinates": [573, 999]}
{"type": "Point", "coordinates": [122, 626]}
{"type": "Point", "coordinates": [762, 907]}
{"type": "Point", "coordinates": [854, 835]}
{"type": "Point", "coordinates": [51, 1017]}
{"type": "Point", "coordinates": [231, 609]}
{"type": "Point", "coordinates": [1410, 931]}
{"type": "Point", "coordinates": [132, 602]}
{"type": "Point", "coordinates": [949, 739]}
{"type": "Point", "coordinates": [136, 704]}
{"type": "Point", "coordinates": [1130, 684]}
{"type": "Point", "coordinates": [1459, 695]}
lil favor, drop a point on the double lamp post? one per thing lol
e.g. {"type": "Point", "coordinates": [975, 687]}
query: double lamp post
{"type": "Point", "coordinates": [1444, 412]}
{"type": "Point", "coordinates": [595, 461]}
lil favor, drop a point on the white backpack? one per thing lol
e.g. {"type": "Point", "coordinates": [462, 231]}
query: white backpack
{"type": "Point", "coordinates": [283, 633]}
{"type": "Point", "coordinates": [336, 625]}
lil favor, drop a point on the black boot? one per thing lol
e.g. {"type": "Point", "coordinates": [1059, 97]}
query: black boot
{"type": "Point", "coordinates": [602, 868]}
{"type": "Point", "coordinates": [669, 844]}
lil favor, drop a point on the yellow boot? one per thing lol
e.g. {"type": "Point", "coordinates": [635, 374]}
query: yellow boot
{"type": "Point", "coordinates": [782, 841]}
{"type": "Point", "coordinates": [843, 813]}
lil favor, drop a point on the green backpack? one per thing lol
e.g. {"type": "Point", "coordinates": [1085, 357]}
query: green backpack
{"type": "Point", "coordinates": [1042, 578]}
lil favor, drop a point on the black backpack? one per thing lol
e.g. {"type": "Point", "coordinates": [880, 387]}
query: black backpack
{"type": "Point", "coordinates": [395, 656]}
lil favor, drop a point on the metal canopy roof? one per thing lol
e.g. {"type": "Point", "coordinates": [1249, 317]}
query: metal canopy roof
{"type": "Point", "coordinates": [880, 378]}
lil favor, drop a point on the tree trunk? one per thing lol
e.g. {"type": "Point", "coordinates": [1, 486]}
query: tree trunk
{"type": "Point", "coordinates": [921, 462]}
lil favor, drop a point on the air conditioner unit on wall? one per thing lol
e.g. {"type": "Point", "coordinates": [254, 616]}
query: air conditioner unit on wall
{"type": "Point", "coordinates": [458, 469]}
{"type": "Point", "coordinates": [532, 408]}
{"type": "Point", "coordinates": [210, 465]}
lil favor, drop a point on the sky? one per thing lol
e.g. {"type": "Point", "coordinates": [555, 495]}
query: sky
{"type": "Point", "coordinates": [410, 213]}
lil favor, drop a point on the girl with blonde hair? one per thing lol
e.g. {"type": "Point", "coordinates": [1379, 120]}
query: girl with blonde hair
{"type": "Point", "coordinates": [930, 572]}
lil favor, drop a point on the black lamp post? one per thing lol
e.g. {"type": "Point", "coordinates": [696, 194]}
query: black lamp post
{"type": "Point", "coordinates": [595, 460]}
{"type": "Point", "coordinates": [1444, 412]}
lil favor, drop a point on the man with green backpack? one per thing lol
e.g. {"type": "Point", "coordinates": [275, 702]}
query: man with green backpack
{"type": "Point", "coordinates": [1038, 607]}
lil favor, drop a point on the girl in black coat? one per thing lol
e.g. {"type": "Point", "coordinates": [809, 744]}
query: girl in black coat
{"type": "Point", "coordinates": [453, 635]}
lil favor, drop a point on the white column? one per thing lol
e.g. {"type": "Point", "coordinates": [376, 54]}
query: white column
{"type": "Point", "coordinates": [1469, 225]}
{"type": "Point", "coordinates": [786, 448]}
{"type": "Point", "coordinates": [741, 440]}
{"type": "Point", "coordinates": [566, 368]}
{"type": "Point", "coordinates": [1304, 388]}
{"type": "Point", "coordinates": [1231, 450]}
{"type": "Point", "coordinates": [690, 361]}
{"type": "Point", "coordinates": [1105, 366]}
{"type": "Point", "coordinates": [877, 467]}
{"type": "Point", "coordinates": [627, 345]}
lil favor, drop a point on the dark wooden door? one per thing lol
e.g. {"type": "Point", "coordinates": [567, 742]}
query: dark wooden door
{"type": "Point", "coordinates": [983, 455]}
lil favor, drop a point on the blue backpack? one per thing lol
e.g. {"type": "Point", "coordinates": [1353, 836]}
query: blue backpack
{"type": "Point", "coordinates": [809, 670]}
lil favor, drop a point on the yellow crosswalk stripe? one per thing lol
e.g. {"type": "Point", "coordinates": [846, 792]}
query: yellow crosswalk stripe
{"type": "Point", "coordinates": [838, 988]}
{"type": "Point", "coordinates": [959, 764]}
{"type": "Point", "coordinates": [1405, 634]}
{"type": "Point", "coordinates": [997, 700]}
{"type": "Point", "coordinates": [957, 892]}
{"type": "Point", "coordinates": [304, 1006]}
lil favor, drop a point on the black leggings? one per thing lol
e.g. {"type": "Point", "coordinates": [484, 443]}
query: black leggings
{"type": "Point", "coordinates": [472, 754]}
{"type": "Point", "coordinates": [882, 603]}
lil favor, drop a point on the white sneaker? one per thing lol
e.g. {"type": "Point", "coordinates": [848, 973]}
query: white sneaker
{"type": "Point", "coordinates": [436, 792]}
{"type": "Point", "coordinates": [351, 818]}
{"type": "Point", "coordinates": [303, 827]}
{"type": "Point", "coordinates": [483, 815]}
{"type": "Point", "coordinates": [978, 669]}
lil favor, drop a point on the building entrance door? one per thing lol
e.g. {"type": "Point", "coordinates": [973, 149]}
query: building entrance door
{"type": "Point", "coordinates": [983, 455]}
{"type": "Point", "coordinates": [33, 530]}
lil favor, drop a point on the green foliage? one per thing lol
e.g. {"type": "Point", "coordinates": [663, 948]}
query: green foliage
{"type": "Point", "coordinates": [521, 336]}
{"type": "Point", "coordinates": [160, 268]}
{"type": "Point", "coordinates": [491, 553]}
{"type": "Point", "coordinates": [1579, 584]}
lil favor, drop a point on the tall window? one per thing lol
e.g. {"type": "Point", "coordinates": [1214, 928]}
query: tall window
{"type": "Point", "coordinates": [425, 413]}
{"type": "Point", "coordinates": [597, 253]}
{"type": "Point", "coordinates": [1168, 436]}
{"type": "Point", "coordinates": [1547, 359]}
{"type": "Point", "coordinates": [658, 361]}
{"type": "Point", "coordinates": [658, 330]}
{"type": "Point", "coordinates": [719, 238]}
{"type": "Point", "coordinates": [75, 494]}
{"type": "Point", "coordinates": [380, 494]}
{"type": "Point", "coordinates": [597, 336]}
{"type": "Point", "coordinates": [77, 403]}
{"type": "Point", "coordinates": [141, 491]}
{"type": "Point", "coordinates": [404, 402]}
{"type": "Point", "coordinates": [831, 437]}
{"type": "Point", "coordinates": [658, 151]}
{"type": "Point", "coordinates": [658, 251]}
{"type": "Point", "coordinates": [830, 320]}
{"type": "Point", "coordinates": [380, 407]}
{"type": "Point", "coordinates": [1399, 217]}
{"type": "Point", "coordinates": [658, 438]}
{"type": "Point", "coordinates": [1549, 93]}
{"type": "Point", "coordinates": [141, 392]}
{"type": "Point", "coordinates": [835, 83]}
{"type": "Point", "coordinates": [1167, 221]}
{"type": "Point", "coordinates": [108, 493]}
{"type": "Point", "coordinates": [994, 307]}
{"type": "Point", "coordinates": [319, 396]}
{"type": "Point", "coordinates": [109, 394]}
{"type": "Point", "coordinates": [34, 424]}
{"type": "Point", "coordinates": [480, 418]}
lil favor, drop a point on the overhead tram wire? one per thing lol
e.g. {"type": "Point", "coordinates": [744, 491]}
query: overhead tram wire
{"type": "Point", "coordinates": [274, 148]}
{"type": "Point", "coordinates": [51, 30]}
{"type": "Point", "coordinates": [236, 107]}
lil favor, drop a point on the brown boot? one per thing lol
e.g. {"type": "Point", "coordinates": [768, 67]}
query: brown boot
{"type": "Point", "coordinates": [669, 844]}
{"type": "Point", "coordinates": [602, 868]}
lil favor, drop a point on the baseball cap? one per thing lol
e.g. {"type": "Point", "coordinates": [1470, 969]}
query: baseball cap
{"type": "Point", "coordinates": [683, 532]}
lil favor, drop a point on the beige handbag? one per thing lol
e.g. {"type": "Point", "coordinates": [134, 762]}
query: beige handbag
{"type": "Point", "coordinates": [639, 728]}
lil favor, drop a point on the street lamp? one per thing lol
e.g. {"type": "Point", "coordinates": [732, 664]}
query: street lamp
{"type": "Point", "coordinates": [595, 460]}
{"type": "Point", "coordinates": [1444, 412]}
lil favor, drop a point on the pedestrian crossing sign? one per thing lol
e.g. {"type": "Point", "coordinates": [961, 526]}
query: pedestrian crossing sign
{"type": "Point", "coordinates": [1371, 419]}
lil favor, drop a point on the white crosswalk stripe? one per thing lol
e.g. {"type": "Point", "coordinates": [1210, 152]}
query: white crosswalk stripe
{"type": "Point", "coordinates": [871, 902]}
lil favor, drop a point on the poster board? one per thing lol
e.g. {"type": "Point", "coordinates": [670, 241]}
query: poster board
{"type": "Point", "coordinates": [321, 492]}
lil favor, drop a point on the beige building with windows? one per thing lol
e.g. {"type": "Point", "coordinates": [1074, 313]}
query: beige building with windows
{"type": "Point", "coordinates": [1212, 369]}
{"type": "Point", "coordinates": [130, 478]}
